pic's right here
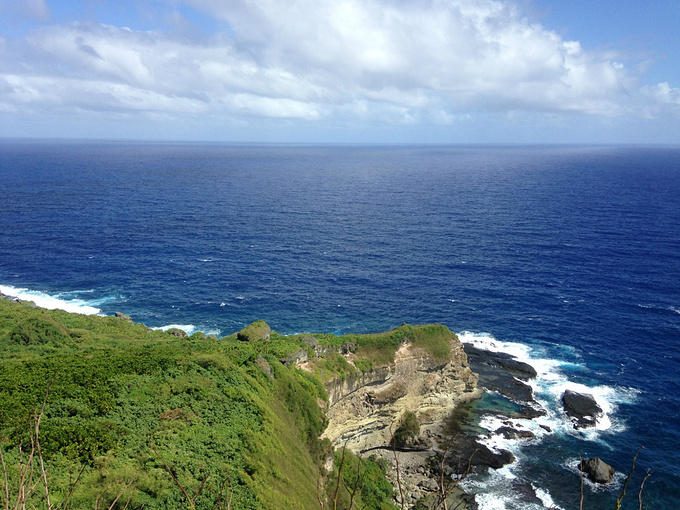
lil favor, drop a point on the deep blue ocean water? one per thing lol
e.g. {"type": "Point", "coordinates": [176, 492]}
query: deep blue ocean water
{"type": "Point", "coordinates": [569, 255]}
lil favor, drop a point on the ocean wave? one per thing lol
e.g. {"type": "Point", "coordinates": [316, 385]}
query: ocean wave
{"type": "Point", "coordinates": [189, 329]}
{"type": "Point", "coordinates": [550, 384]}
{"type": "Point", "coordinates": [497, 492]}
{"type": "Point", "coordinates": [61, 301]}
{"type": "Point", "coordinates": [548, 388]}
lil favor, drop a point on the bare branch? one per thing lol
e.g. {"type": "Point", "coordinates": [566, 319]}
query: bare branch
{"type": "Point", "coordinates": [121, 493]}
{"type": "Point", "coordinates": [319, 489]}
{"type": "Point", "coordinates": [191, 503]}
{"type": "Point", "coordinates": [625, 483]}
{"type": "Point", "coordinates": [580, 470]}
{"type": "Point", "coordinates": [38, 418]}
{"type": "Point", "coordinates": [4, 471]}
{"type": "Point", "coordinates": [337, 486]}
{"type": "Point", "coordinates": [642, 486]}
{"type": "Point", "coordinates": [396, 461]}
{"type": "Point", "coordinates": [356, 485]}
{"type": "Point", "coordinates": [73, 488]}
{"type": "Point", "coordinates": [200, 489]}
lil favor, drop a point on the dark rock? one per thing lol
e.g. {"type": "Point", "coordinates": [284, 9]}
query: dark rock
{"type": "Point", "coordinates": [502, 373]}
{"type": "Point", "coordinates": [313, 342]}
{"type": "Point", "coordinates": [469, 450]}
{"type": "Point", "coordinates": [295, 358]}
{"type": "Point", "coordinates": [179, 333]}
{"type": "Point", "coordinates": [348, 347]}
{"type": "Point", "coordinates": [512, 433]}
{"type": "Point", "coordinates": [597, 470]}
{"type": "Point", "coordinates": [501, 360]}
{"type": "Point", "coordinates": [581, 408]}
{"type": "Point", "coordinates": [529, 413]}
{"type": "Point", "coordinates": [545, 427]}
{"type": "Point", "coordinates": [123, 316]}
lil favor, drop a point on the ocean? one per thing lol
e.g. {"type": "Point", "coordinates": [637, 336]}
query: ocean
{"type": "Point", "coordinates": [566, 256]}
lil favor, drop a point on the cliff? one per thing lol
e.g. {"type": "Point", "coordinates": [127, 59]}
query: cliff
{"type": "Point", "coordinates": [364, 408]}
{"type": "Point", "coordinates": [240, 417]}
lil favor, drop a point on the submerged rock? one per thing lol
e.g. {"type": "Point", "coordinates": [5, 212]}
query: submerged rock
{"type": "Point", "coordinates": [581, 408]}
{"type": "Point", "coordinates": [597, 470]}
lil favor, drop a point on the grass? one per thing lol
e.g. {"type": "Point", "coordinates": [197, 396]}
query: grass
{"type": "Point", "coordinates": [128, 406]}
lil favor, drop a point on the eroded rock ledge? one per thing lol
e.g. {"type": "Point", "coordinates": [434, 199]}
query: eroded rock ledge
{"type": "Point", "coordinates": [365, 408]}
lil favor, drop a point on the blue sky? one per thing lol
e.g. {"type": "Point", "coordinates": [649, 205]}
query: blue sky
{"type": "Point", "coordinates": [433, 71]}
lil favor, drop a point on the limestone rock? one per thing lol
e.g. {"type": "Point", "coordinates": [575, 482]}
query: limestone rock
{"type": "Point", "coordinates": [363, 406]}
{"type": "Point", "coordinates": [264, 366]}
{"type": "Point", "coordinates": [297, 358]}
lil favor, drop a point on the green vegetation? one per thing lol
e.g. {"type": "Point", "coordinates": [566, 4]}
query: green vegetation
{"type": "Point", "coordinates": [408, 429]}
{"type": "Point", "coordinates": [125, 401]}
{"type": "Point", "coordinates": [378, 349]}
{"type": "Point", "coordinates": [258, 330]}
{"type": "Point", "coordinates": [362, 484]}
{"type": "Point", "coordinates": [162, 420]}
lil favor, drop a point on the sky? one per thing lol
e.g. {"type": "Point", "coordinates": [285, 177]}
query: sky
{"type": "Point", "coordinates": [342, 71]}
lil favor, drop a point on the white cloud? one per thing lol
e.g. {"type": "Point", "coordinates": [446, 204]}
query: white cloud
{"type": "Point", "coordinates": [664, 98]}
{"type": "Point", "coordinates": [376, 61]}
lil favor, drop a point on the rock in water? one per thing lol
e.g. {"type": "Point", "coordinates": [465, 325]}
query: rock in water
{"type": "Point", "coordinates": [581, 408]}
{"type": "Point", "coordinates": [597, 470]}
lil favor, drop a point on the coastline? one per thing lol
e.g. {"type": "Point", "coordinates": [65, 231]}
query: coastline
{"type": "Point", "coordinates": [490, 425]}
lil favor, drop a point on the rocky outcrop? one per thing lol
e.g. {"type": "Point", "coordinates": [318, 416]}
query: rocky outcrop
{"type": "Point", "coordinates": [124, 316]}
{"type": "Point", "coordinates": [258, 330]}
{"type": "Point", "coordinates": [597, 470]}
{"type": "Point", "coordinates": [581, 408]}
{"type": "Point", "coordinates": [179, 333]}
{"type": "Point", "coordinates": [503, 373]}
{"type": "Point", "coordinates": [364, 406]}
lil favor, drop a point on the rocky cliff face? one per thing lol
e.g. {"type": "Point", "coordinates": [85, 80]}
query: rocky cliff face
{"type": "Point", "coordinates": [365, 407]}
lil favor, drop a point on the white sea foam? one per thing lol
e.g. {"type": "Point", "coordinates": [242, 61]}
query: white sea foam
{"type": "Point", "coordinates": [493, 491]}
{"type": "Point", "coordinates": [550, 384]}
{"type": "Point", "coordinates": [189, 329]}
{"type": "Point", "coordinates": [571, 464]}
{"type": "Point", "coordinates": [50, 302]}
{"type": "Point", "coordinates": [545, 498]}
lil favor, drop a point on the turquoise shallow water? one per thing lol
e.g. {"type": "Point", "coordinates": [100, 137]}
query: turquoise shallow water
{"type": "Point", "coordinates": [571, 253]}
